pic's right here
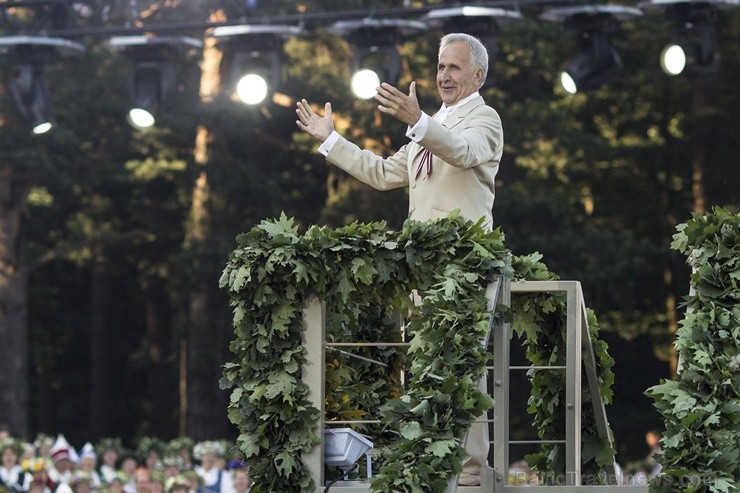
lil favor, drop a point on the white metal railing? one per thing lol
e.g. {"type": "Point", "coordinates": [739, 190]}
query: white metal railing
{"type": "Point", "coordinates": [495, 479]}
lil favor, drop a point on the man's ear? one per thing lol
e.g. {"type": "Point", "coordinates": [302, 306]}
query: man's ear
{"type": "Point", "coordinates": [479, 77]}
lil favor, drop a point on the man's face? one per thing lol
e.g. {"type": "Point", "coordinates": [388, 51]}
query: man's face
{"type": "Point", "coordinates": [457, 76]}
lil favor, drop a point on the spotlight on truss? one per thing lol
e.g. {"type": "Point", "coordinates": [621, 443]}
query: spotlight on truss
{"type": "Point", "coordinates": [28, 90]}
{"type": "Point", "coordinates": [376, 57]}
{"type": "Point", "coordinates": [152, 76]}
{"type": "Point", "coordinates": [597, 61]}
{"type": "Point", "coordinates": [255, 53]}
{"type": "Point", "coordinates": [692, 51]}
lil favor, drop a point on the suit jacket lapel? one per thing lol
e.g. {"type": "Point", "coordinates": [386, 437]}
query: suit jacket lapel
{"type": "Point", "coordinates": [458, 114]}
{"type": "Point", "coordinates": [454, 118]}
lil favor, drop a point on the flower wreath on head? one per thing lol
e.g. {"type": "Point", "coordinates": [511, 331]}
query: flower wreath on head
{"type": "Point", "coordinates": [42, 439]}
{"type": "Point", "coordinates": [171, 460]}
{"type": "Point", "coordinates": [81, 477]}
{"type": "Point", "coordinates": [181, 443]}
{"type": "Point", "coordinates": [176, 481]}
{"type": "Point", "coordinates": [36, 464]}
{"type": "Point", "coordinates": [106, 444]}
{"type": "Point", "coordinates": [208, 446]}
{"type": "Point", "coordinates": [146, 445]}
{"type": "Point", "coordinates": [13, 444]}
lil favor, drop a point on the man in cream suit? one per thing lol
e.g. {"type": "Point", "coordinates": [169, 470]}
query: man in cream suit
{"type": "Point", "coordinates": [450, 163]}
{"type": "Point", "coordinates": [453, 157]}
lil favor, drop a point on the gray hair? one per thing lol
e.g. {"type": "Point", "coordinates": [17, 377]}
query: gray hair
{"type": "Point", "coordinates": [478, 52]}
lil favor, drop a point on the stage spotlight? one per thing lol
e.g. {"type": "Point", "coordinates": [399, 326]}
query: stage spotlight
{"type": "Point", "coordinates": [481, 22]}
{"type": "Point", "coordinates": [376, 57]}
{"type": "Point", "coordinates": [692, 51]}
{"type": "Point", "coordinates": [255, 53]}
{"type": "Point", "coordinates": [252, 89]}
{"type": "Point", "coordinates": [373, 65]}
{"type": "Point", "coordinates": [28, 90]}
{"type": "Point", "coordinates": [30, 97]}
{"type": "Point", "coordinates": [256, 72]}
{"type": "Point", "coordinates": [151, 79]}
{"type": "Point", "coordinates": [597, 61]}
{"type": "Point", "coordinates": [150, 83]}
{"type": "Point", "coordinates": [364, 83]}
{"type": "Point", "coordinates": [673, 59]}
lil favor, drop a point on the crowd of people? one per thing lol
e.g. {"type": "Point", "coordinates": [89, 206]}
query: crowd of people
{"type": "Point", "coordinates": [52, 465]}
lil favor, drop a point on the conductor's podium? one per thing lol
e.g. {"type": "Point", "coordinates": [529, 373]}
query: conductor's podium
{"type": "Point", "coordinates": [580, 360]}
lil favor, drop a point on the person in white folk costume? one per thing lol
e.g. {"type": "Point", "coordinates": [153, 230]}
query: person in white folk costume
{"type": "Point", "coordinates": [215, 478]}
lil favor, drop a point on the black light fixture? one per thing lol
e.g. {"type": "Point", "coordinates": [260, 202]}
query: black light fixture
{"type": "Point", "coordinates": [692, 51]}
{"type": "Point", "coordinates": [31, 99]}
{"type": "Point", "coordinates": [255, 53]}
{"type": "Point", "coordinates": [597, 61]}
{"type": "Point", "coordinates": [152, 76]}
{"type": "Point", "coordinates": [375, 57]}
{"type": "Point", "coordinates": [482, 22]}
{"type": "Point", "coordinates": [28, 90]}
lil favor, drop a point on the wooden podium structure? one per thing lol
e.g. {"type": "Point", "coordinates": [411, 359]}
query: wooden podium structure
{"type": "Point", "coordinates": [496, 478]}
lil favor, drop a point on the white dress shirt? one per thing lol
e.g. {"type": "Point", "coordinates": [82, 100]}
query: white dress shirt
{"type": "Point", "coordinates": [419, 130]}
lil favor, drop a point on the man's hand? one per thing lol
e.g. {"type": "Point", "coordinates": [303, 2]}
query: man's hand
{"type": "Point", "coordinates": [314, 125]}
{"type": "Point", "coordinates": [395, 103]}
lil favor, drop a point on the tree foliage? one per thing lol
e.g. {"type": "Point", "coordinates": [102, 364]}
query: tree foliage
{"type": "Point", "coordinates": [702, 406]}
